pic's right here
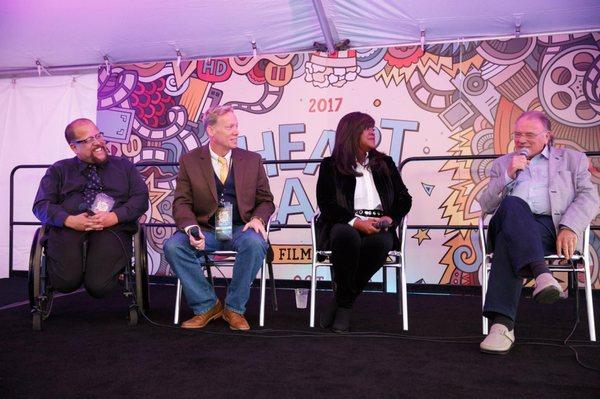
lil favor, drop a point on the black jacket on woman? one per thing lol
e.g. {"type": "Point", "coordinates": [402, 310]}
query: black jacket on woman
{"type": "Point", "coordinates": [335, 198]}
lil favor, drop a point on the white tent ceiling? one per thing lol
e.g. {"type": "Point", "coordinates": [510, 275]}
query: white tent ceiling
{"type": "Point", "coordinates": [76, 34]}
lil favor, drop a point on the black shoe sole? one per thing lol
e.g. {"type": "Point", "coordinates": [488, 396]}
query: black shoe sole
{"type": "Point", "coordinates": [337, 331]}
{"type": "Point", "coordinates": [548, 295]}
{"type": "Point", "coordinates": [488, 352]}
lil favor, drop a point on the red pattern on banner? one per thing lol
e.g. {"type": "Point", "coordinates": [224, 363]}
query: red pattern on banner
{"type": "Point", "coordinates": [403, 56]}
{"type": "Point", "coordinates": [151, 102]}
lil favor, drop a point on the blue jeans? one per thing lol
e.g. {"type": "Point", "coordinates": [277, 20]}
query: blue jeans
{"type": "Point", "coordinates": [187, 263]}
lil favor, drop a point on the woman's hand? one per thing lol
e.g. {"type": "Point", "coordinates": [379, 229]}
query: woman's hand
{"type": "Point", "coordinates": [384, 221]}
{"type": "Point", "coordinates": [366, 226]}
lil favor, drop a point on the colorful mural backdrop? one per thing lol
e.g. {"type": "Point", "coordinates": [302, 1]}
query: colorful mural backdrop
{"type": "Point", "coordinates": [448, 99]}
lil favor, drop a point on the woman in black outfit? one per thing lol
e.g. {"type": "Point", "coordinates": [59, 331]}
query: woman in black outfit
{"type": "Point", "coordinates": [362, 200]}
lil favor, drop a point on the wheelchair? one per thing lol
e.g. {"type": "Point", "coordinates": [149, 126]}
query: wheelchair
{"type": "Point", "coordinates": [135, 279]}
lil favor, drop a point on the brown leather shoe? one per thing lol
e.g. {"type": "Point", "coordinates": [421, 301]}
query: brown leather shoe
{"type": "Point", "coordinates": [202, 319]}
{"type": "Point", "coordinates": [236, 321]}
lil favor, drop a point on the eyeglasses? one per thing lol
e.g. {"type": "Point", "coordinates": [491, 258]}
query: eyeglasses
{"type": "Point", "coordinates": [97, 137]}
{"type": "Point", "coordinates": [528, 136]}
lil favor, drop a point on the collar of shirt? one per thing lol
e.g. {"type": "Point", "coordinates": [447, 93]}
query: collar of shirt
{"type": "Point", "coordinates": [545, 153]}
{"type": "Point", "coordinates": [362, 168]}
{"type": "Point", "coordinates": [215, 158]}
{"type": "Point", "coordinates": [81, 165]}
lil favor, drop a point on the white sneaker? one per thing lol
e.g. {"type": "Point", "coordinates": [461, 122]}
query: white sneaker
{"type": "Point", "coordinates": [547, 289]}
{"type": "Point", "coordinates": [499, 341]}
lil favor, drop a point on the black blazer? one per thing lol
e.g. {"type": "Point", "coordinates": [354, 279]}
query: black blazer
{"type": "Point", "coordinates": [335, 198]}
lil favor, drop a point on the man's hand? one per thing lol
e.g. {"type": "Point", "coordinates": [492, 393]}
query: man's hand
{"type": "Point", "coordinates": [517, 162]}
{"type": "Point", "coordinates": [200, 243]}
{"type": "Point", "coordinates": [565, 244]}
{"type": "Point", "coordinates": [79, 222]}
{"type": "Point", "coordinates": [256, 225]}
{"type": "Point", "coordinates": [366, 226]}
{"type": "Point", "coordinates": [102, 220]}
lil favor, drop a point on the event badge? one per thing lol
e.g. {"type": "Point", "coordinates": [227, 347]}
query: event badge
{"type": "Point", "coordinates": [224, 221]}
{"type": "Point", "coordinates": [102, 203]}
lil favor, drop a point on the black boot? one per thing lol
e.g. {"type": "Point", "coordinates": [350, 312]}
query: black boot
{"type": "Point", "coordinates": [341, 323]}
{"type": "Point", "coordinates": [327, 317]}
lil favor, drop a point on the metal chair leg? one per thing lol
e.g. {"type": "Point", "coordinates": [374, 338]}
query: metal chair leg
{"type": "Point", "coordinates": [273, 288]}
{"type": "Point", "coordinates": [484, 287]}
{"type": "Point", "coordinates": [209, 276]}
{"type": "Point", "coordinates": [403, 289]}
{"type": "Point", "coordinates": [177, 303]}
{"type": "Point", "coordinates": [313, 291]}
{"type": "Point", "coordinates": [263, 288]}
{"type": "Point", "coordinates": [399, 291]}
{"type": "Point", "coordinates": [588, 299]}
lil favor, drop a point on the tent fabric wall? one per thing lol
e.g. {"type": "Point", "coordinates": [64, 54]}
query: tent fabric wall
{"type": "Point", "coordinates": [33, 116]}
{"type": "Point", "coordinates": [71, 33]}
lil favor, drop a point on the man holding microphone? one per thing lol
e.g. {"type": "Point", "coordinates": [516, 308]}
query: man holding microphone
{"type": "Point", "coordinates": [222, 202]}
{"type": "Point", "coordinates": [542, 199]}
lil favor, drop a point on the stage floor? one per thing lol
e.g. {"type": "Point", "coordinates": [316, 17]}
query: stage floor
{"type": "Point", "coordinates": [87, 350]}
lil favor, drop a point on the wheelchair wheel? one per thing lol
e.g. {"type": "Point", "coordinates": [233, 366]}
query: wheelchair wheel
{"type": "Point", "coordinates": [133, 316]}
{"type": "Point", "coordinates": [36, 321]}
{"type": "Point", "coordinates": [40, 299]}
{"type": "Point", "coordinates": [141, 269]}
{"type": "Point", "coordinates": [34, 269]}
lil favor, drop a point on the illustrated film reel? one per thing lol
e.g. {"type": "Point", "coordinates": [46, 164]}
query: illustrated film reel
{"type": "Point", "coordinates": [562, 89]}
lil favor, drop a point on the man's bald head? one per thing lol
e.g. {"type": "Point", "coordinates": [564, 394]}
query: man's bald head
{"type": "Point", "coordinates": [70, 135]}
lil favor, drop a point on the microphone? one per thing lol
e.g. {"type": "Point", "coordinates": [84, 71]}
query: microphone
{"type": "Point", "coordinates": [195, 232]}
{"type": "Point", "coordinates": [83, 207]}
{"type": "Point", "coordinates": [382, 224]}
{"type": "Point", "coordinates": [522, 152]}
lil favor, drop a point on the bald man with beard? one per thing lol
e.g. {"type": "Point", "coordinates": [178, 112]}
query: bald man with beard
{"type": "Point", "coordinates": [93, 197]}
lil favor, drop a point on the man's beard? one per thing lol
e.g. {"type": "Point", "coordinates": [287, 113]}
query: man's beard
{"type": "Point", "coordinates": [98, 160]}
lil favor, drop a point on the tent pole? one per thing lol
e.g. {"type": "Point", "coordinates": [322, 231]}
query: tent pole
{"type": "Point", "coordinates": [324, 25]}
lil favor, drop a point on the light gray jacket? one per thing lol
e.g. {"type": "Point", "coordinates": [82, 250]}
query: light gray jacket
{"type": "Point", "coordinates": [573, 198]}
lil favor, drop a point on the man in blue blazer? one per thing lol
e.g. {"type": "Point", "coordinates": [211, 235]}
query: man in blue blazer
{"type": "Point", "coordinates": [542, 198]}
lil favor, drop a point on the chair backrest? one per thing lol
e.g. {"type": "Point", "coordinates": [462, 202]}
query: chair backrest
{"type": "Point", "coordinates": [313, 234]}
{"type": "Point", "coordinates": [481, 232]}
{"type": "Point", "coordinates": [402, 233]}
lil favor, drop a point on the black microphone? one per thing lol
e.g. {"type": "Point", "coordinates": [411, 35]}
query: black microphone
{"type": "Point", "coordinates": [195, 232]}
{"type": "Point", "coordinates": [522, 152]}
{"type": "Point", "coordinates": [382, 224]}
{"type": "Point", "coordinates": [83, 207]}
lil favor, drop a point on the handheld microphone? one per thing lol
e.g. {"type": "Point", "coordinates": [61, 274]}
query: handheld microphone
{"type": "Point", "coordinates": [83, 207]}
{"type": "Point", "coordinates": [382, 224]}
{"type": "Point", "coordinates": [522, 152]}
{"type": "Point", "coordinates": [195, 232]}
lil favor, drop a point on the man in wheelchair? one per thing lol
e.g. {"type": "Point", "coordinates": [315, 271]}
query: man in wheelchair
{"type": "Point", "coordinates": [543, 200]}
{"type": "Point", "coordinates": [90, 205]}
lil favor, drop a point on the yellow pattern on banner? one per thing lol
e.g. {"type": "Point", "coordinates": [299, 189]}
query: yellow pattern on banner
{"type": "Point", "coordinates": [292, 254]}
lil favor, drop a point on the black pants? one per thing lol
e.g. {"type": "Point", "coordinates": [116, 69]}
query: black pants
{"type": "Point", "coordinates": [356, 258]}
{"type": "Point", "coordinates": [105, 258]}
{"type": "Point", "coordinates": [517, 238]}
